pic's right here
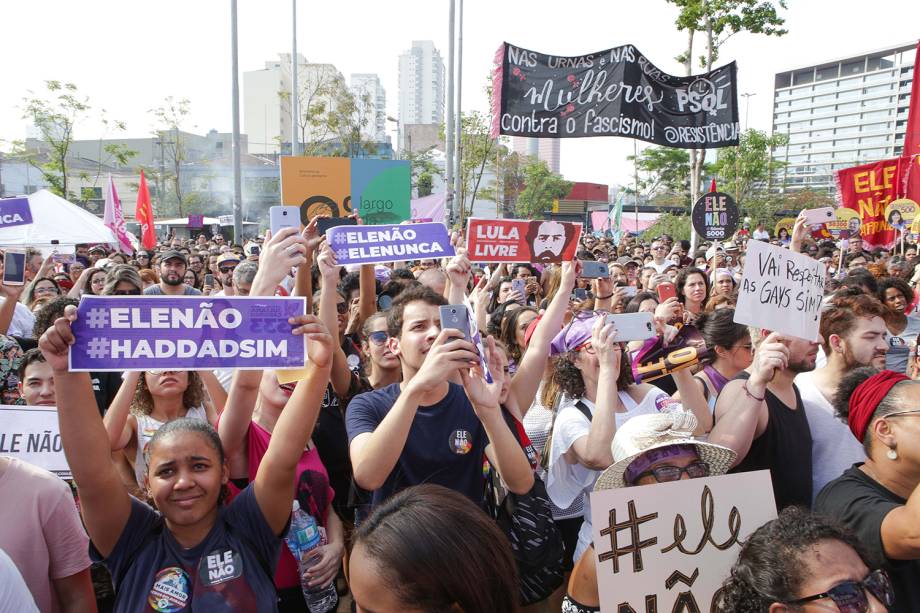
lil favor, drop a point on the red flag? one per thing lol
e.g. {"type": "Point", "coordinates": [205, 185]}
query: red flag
{"type": "Point", "coordinates": [912, 137]}
{"type": "Point", "coordinates": [144, 215]}
{"type": "Point", "coordinates": [712, 186]}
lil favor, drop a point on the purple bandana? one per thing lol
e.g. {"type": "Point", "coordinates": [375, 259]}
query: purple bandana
{"type": "Point", "coordinates": [641, 464]}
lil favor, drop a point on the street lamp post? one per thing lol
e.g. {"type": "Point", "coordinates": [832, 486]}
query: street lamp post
{"type": "Point", "coordinates": [398, 136]}
{"type": "Point", "coordinates": [235, 95]}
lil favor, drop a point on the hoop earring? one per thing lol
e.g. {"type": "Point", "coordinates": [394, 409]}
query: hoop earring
{"type": "Point", "coordinates": [892, 454]}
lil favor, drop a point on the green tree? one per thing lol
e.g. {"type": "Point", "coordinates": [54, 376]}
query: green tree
{"type": "Point", "coordinates": [55, 116]}
{"type": "Point", "coordinates": [508, 168]}
{"type": "Point", "coordinates": [423, 170]}
{"type": "Point", "coordinates": [717, 21]}
{"type": "Point", "coordinates": [541, 187]}
{"type": "Point", "coordinates": [744, 171]}
{"type": "Point", "coordinates": [171, 116]}
{"type": "Point", "coordinates": [675, 226]}
{"type": "Point", "coordinates": [663, 170]}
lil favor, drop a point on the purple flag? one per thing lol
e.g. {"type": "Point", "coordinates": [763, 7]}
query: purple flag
{"type": "Point", "coordinates": [116, 333]}
{"type": "Point", "coordinates": [391, 243]}
{"type": "Point", "coordinates": [15, 212]}
{"type": "Point", "coordinates": [114, 219]}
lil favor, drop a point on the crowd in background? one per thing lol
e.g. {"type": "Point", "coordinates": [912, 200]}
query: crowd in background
{"type": "Point", "coordinates": [406, 456]}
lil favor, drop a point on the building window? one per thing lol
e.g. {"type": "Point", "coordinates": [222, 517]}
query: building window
{"type": "Point", "coordinates": [804, 76]}
{"type": "Point", "coordinates": [853, 68]}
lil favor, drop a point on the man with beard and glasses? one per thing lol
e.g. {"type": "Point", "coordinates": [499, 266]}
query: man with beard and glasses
{"type": "Point", "coordinates": [172, 272]}
{"type": "Point", "coordinates": [548, 240]}
{"type": "Point", "coordinates": [853, 334]}
{"type": "Point", "coordinates": [759, 415]}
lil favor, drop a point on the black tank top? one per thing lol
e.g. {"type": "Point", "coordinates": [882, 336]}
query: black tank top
{"type": "Point", "coordinates": [784, 449]}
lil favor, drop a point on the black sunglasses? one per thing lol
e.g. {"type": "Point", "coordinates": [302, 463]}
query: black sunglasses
{"type": "Point", "coordinates": [342, 308]}
{"type": "Point", "coordinates": [378, 338]}
{"type": "Point", "coordinates": [126, 292]}
{"type": "Point", "coordinates": [850, 596]}
{"type": "Point", "coordinates": [666, 472]}
{"type": "Point", "coordinates": [226, 268]}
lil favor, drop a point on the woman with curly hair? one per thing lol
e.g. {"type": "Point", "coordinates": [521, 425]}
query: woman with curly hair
{"type": "Point", "coordinates": [513, 330]}
{"type": "Point", "coordinates": [897, 295]}
{"type": "Point", "coordinates": [594, 373]}
{"type": "Point", "coordinates": [798, 559]}
{"type": "Point", "coordinates": [145, 402]}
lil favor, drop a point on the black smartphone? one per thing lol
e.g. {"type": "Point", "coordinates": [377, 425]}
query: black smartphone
{"type": "Point", "coordinates": [580, 293]}
{"type": "Point", "coordinates": [255, 250]}
{"type": "Point", "coordinates": [209, 279]}
{"type": "Point", "coordinates": [591, 269]}
{"type": "Point", "coordinates": [325, 223]}
{"type": "Point", "coordinates": [14, 267]}
{"type": "Point", "coordinates": [456, 316]}
{"type": "Point", "coordinates": [384, 302]}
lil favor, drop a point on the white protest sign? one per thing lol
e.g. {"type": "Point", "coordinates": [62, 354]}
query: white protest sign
{"type": "Point", "coordinates": [781, 291]}
{"type": "Point", "coordinates": [32, 435]}
{"type": "Point", "coordinates": [669, 546]}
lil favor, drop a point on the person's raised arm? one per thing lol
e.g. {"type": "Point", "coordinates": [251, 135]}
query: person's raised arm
{"type": "Point", "coordinates": [216, 392]}
{"type": "Point", "coordinates": [104, 501]}
{"type": "Point", "coordinates": [503, 449]}
{"type": "Point", "coordinates": [11, 295]}
{"type": "Point", "coordinates": [272, 486]}
{"type": "Point", "coordinates": [529, 373]}
{"type": "Point", "coordinates": [367, 292]}
{"type": "Point", "coordinates": [116, 417]}
{"type": "Point", "coordinates": [799, 231]}
{"type": "Point", "coordinates": [279, 254]}
{"type": "Point", "coordinates": [741, 410]}
{"type": "Point", "coordinates": [340, 377]}
{"type": "Point", "coordinates": [303, 282]}
{"type": "Point", "coordinates": [374, 454]}
{"type": "Point", "coordinates": [77, 290]}
{"type": "Point", "coordinates": [458, 276]}
{"type": "Point", "coordinates": [480, 300]}
{"type": "Point", "coordinates": [593, 450]}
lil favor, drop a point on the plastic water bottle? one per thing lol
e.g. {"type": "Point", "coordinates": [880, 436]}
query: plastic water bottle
{"type": "Point", "coordinates": [303, 537]}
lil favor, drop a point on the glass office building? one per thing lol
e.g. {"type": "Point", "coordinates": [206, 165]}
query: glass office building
{"type": "Point", "coordinates": [840, 114]}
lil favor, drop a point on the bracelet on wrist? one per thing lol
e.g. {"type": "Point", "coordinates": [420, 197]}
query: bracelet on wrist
{"type": "Point", "coordinates": [607, 297]}
{"type": "Point", "coordinates": [750, 395]}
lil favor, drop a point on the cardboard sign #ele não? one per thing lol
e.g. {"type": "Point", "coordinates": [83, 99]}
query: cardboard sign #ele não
{"type": "Point", "coordinates": [669, 546]}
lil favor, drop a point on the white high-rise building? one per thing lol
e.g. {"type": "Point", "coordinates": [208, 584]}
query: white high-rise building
{"type": "Point", "coordinates": [267, 103]}
{"type": "Point", "coordinates": [839, 114]}
{"type": "Point", "coordinates": [368, 84]}
{"type": "Point", "coordinates": [421, 86]}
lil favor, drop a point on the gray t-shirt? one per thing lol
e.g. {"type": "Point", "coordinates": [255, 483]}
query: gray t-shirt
{"type": "Point", "coordinates": [833, 447]}
{"type": "Point", "coordinates": [156, 290]}
{"type": "Point", "coordinates": [899, 345]}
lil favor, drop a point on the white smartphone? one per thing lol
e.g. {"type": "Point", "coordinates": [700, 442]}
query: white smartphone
{"type": "Point", "coordinates": [14, 267]}
{"type": "Point", "coordinates": [813, 217]}
{"type": "Point", "coordinates": [283, 217]}
{"type": "Point", "coordinates": [633, 326]}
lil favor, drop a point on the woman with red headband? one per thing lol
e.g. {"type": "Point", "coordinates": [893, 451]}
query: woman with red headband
{"type": "Point", "coordinates": [879, 499]}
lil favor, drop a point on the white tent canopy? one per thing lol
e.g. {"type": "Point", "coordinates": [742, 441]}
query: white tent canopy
{"type": "Point", "coordinates": [56, 222]}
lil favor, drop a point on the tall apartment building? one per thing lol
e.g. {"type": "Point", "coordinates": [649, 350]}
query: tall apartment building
{"type": "Point", "coordinates": [369, 84]}
{"type": "Point", "coordinates": [839, 114]}
{"type": "Point", "coordinates": [267, 105]}
{"type": "Point", "coordinates": [421, 86]}
{"type": "Point", "coordinates": [546, 149]}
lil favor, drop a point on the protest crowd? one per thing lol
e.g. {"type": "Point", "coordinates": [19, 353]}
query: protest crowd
{"type": "Point", "coordinates": [442, 468]}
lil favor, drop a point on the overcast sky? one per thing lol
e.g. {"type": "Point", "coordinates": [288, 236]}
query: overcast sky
{"type": "Point", "coordinates": [128, 56]}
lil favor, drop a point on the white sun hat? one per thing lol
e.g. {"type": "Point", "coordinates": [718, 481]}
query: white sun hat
{"type": "Point", "coordinates": [646, 432]}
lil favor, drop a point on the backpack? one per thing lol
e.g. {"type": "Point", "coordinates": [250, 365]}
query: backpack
{"type": "Point", "coordinates": [527, 521]}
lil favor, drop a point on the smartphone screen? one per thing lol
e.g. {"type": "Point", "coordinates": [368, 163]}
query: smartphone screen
{"type": "Point", "coordinates": [323, 224]}
{"type": "Point", "coordinates": [14, 267]}
{"type": "Point", "coordinates": [209, 279]}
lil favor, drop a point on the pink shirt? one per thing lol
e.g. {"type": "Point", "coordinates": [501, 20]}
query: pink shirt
{"type": "Point", "coordinates": [312, 492]}
{"type": "Point", "coordinates": [40, 529]}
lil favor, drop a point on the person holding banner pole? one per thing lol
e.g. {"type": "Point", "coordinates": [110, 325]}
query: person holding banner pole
{"type": "Point", "coordinates": [149, 551]}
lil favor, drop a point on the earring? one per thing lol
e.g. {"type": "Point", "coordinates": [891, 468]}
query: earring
{"type": "Point", "coordinates": [892, 454]}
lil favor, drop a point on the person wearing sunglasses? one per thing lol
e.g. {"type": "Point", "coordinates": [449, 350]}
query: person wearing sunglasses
{"type": "Point", "coordinates": [123, 280]}
{"type": "Point", "coordinates": [647, 449]}
{"type": "Point", "coordinates": [382, 367]}
{"type": "Point", "coordinates": [800, 562]}
{"type": "Point", "coordinates": [878, 499]}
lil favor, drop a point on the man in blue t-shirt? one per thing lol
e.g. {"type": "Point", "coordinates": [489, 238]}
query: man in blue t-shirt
{"type": "Point", "coordinates": [429, 429]}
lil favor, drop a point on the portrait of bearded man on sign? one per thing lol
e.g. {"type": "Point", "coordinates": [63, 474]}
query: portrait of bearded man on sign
{"type": "Point", "coordinates": [548, 240]}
